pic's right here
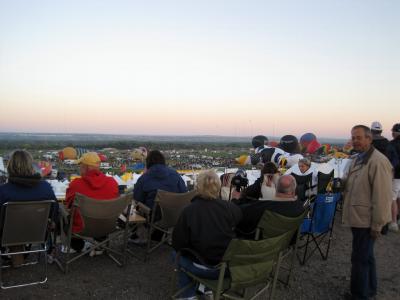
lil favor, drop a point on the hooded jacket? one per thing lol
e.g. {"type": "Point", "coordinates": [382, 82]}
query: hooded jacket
{"type": "Point", "coordinates": [28, 188]}
{"type": "Point", "coordinates": [368, 191]}
{"type": "Point", "coordinates": [95, 185]}
{"type": "Point", "coordinates": [157, 177]}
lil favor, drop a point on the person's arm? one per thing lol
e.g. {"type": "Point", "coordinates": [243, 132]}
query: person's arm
{"type": "Point", "coordinates": [181, 233]}
{"type": "Point", "coordinates": [138, 193]}
{"type": "Point", "coordinates": [253, 191]}
{"type": "Point", "coordinates": [380, 178]}
{"type": "Point", "coordinates": [236, 213]}
{"type": "Point", "coordinates": [70, 195]}
{"type": "Point", "coordinates": [182, 188]}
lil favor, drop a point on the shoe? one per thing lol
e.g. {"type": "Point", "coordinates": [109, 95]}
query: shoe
{"type": "Point", "coordinates": [393, 227]}
{"type": "Point", "coordinates": [96, 252]}
{"type": "Point", "coordinates": [64, 250]}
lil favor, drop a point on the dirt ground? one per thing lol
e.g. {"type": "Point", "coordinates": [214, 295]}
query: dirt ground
{"type": "Point", "coordinates": [100, 278]}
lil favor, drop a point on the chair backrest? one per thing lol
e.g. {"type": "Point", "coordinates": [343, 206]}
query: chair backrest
{"type": "Point", "coordinates": [323, 212]}
{"type": "Point", "coordinates": [251, 262]}
{"type": "Point", "coordinates": [323, 181]}
{"type": "Point", "coordinates": [171, 205]}
{"type": "Point", "coordinates": [273, 224]}
{"type": "Point", "coordinates": [25, 222]}
{"type": "Point", "coordinates": [100, 216]}
{"type": "Point", "coordinates": [304, 183]}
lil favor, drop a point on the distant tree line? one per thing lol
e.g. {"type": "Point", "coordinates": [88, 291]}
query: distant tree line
{"type": "Point", "coordinates": [40, 145]}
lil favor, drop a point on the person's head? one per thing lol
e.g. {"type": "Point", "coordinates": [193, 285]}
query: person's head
{"type": "Point", "coordinates": [88, 161]}
{"type": "Point", "coordinates": [208, 184]}
{"type": "Point", "coordinates": [361, 138]}
{"type": "Point", "coordinates": [259, 140]}
{"type": "Point", "coordinates": [286, 187]}
{"type": "Point", "coordinates": [396, 130]}
{"type": "Point", "coordinates": [376, 127]}
{"type": "Point", "coordinates": [20, 164]}
{"type": "Point", "coordinates": [269, 168]}
{"type": "Point", "coordinates": [154, 157]}
{"type": "Point", "coordinates": [304, 164]}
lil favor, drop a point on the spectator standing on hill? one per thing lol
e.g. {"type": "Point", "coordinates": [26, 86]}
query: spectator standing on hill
{"type": "Point", "coordinates": [394, 157]}
{"type": "Point", "coordinates": [367, 200]}
{"type": "Point", "coordinates": [378, 141]}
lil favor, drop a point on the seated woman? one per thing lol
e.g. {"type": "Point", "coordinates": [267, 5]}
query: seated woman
{"type": "Point", "coordinates": [264, 187]}
{"type": "Point", "coordinates": [24, 184]}
{"type": "Point", "coordinates": [206, 226]}
{"type": "Point", "coordinates": [303, 168]}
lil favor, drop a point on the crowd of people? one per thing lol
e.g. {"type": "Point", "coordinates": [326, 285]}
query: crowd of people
{"type": "Point", "coordinates": [371, 197]}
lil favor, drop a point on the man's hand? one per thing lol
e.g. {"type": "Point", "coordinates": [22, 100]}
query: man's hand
{"type": "Point", "coordinates": [375, 234]}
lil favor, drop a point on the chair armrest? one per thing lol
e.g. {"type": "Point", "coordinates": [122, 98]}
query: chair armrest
{"type": "Point", "coordinates": [143, 208]}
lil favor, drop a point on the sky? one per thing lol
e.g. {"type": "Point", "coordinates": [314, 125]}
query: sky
{"type": "Point", "coordinates": [233, 68]}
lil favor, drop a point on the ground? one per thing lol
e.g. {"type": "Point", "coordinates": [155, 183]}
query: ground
{"type": "Point", "coordinates": [100, 278]}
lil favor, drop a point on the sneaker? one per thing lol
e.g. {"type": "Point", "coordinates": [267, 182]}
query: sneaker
{"type": "Point", "coordinates": [95, 252]}
{"type": "Point", "coordinates": [64, 250]}
{"type": "Point", "coordinates": [393, 227]}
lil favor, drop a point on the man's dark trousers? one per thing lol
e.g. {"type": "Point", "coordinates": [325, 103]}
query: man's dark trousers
{"type": "Point", "coordinates": [363, 268]}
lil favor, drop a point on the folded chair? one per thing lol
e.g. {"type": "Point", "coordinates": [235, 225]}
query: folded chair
{"type": "Point", "coordinates": [304, 186]}
{"type": "Point", "coordinates": [323, 182]}
{"type": "Point", "coordinates": [164, 215]}
{"type": "Point", "coordinates": [100, 228]}
{"type": "Point", "coordinates": [25, 223]}
{"type": "Point", "coordinates": [273, 224]}
{"type": "Point", "coordinates": [317, 229]}
{"type": "Point", "coordinates": [246, 264]}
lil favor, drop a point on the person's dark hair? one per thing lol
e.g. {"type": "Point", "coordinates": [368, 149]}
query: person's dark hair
{"type": "Point", "coordinates": [269, 168]}
{"type": "Point", "coordinates": [367, 130]}
{"type": "Point", "coordinates": [154, 157]}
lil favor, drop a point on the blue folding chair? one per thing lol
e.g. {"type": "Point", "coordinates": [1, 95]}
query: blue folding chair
{"type": "Point", "coordinates": [318, 226]}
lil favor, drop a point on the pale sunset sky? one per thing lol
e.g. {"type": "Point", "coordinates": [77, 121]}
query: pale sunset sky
{"type": "Point", "coordinates": [234, 68]}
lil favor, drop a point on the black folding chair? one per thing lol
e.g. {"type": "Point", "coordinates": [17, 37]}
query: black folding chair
{"type": "Point", "coordinates": [304, 186]}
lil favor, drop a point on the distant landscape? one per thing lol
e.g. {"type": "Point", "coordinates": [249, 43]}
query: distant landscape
{"type": "Point", "coordinates": [59, 140]}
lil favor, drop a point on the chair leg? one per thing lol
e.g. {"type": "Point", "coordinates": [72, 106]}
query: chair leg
{"type": "Point", "coordinates": [278, 265]}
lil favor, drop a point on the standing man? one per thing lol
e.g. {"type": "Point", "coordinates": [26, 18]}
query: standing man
{"type": "Point", "coordinates": [394, 156]}
{"type": "Point", "coordinates": [367, 206]}
{"type": "Point", "coordinates": [378, 141]}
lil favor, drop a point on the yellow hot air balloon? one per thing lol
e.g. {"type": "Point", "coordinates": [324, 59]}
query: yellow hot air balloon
{"type": "Point", "coordinates": [69, 153]}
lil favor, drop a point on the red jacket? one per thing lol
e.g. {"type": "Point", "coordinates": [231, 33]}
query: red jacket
{"type": "Point", "coordinates": [94, 185]}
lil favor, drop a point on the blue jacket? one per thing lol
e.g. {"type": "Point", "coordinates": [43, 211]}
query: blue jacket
{"type": "Point", "coordinates": [27, 189]}
{"type": "Point", "coordinates": [157, 177]}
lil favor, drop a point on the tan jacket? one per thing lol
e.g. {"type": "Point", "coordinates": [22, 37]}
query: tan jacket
{"type": "Point", "coordinates": [368, 192]}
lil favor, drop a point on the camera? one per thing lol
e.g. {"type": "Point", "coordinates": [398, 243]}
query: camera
{"type": "Point", "coordinates": [240, 180]}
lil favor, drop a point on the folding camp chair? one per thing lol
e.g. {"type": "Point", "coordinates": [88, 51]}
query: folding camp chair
{"type": "Point", "coordinates": [273, 224]}
{"type": "Point", "coordinates": [100, 228]}
{"type": "Point", "coordinates": [25, 223]}
{"type": "Point", "coordinates": [164, 215]}
{"type": "Point", "coordinates": [323, 182]}
{"type": "Point", "coordinates": [319, 226]}
{"type": "Point", "coordinates": [304, 185]}
{"type": "Point", "coordinates": [245, 264]}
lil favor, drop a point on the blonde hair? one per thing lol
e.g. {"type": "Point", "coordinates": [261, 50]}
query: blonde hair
{"type": "Point", "coordinates": [20, 164]}
{"type": "Point", "coordinates": [208, 184]}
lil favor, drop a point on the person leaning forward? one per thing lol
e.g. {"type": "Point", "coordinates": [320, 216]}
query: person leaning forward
{"type": "Point", "coordinates": [367, 206]}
